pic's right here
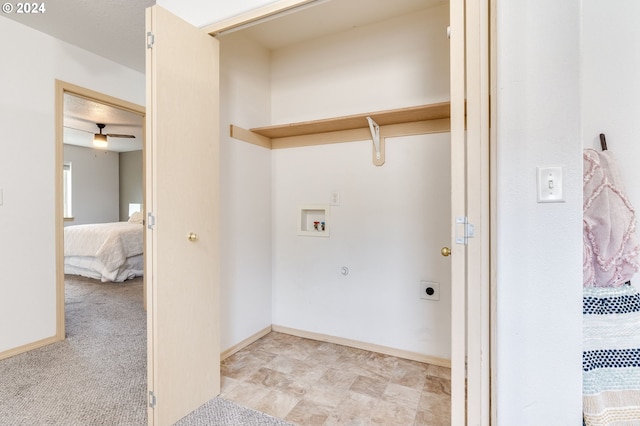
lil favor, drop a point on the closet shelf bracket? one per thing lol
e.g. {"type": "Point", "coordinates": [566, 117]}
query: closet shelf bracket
{"type": "Point", "coordinates": [378, 143]}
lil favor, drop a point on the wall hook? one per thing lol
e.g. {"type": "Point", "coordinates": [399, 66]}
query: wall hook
{"type": "Point", "coordinates": [603, 142]}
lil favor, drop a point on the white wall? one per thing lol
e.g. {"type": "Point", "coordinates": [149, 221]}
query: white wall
{"type": "Point", "coordinates": [392, 64]}
{"type": "Point", "coordinates": [95, 185]}
{"type": "Point", "coordinates": [32, 61]}
{"type": "Point", "coordinates": [391, 222]}
{"type": "Point", "coordinates": [611, 85]}
{"type": "Point", "coordinates": [388, 230]}
{"type": "Point", "coordinates": [245, 193]}
{"type": "Point", "coordinates": [539, 246]}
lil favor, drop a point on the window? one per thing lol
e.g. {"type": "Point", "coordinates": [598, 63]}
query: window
{"type": "Point", "coordinates": [66, 190]}
{"type": "Point", "coordinates": [134, 207]}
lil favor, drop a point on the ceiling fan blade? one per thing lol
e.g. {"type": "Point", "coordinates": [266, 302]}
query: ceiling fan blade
{"type": "Point", "coordinates": [115, 135]}
{"type": "Point", "coordinates": [111, 135]}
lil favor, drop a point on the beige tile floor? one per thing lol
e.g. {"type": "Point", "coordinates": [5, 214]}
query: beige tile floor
{"type": "Point", "coordinates": [308, 382]}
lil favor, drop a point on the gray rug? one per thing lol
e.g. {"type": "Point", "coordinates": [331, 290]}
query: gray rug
{"type": "Point", "coordinates": [97, 376]}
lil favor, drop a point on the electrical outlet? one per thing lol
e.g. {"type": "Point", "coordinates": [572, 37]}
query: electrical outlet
{"type": "Point", "coordinates": [429, 290]}
{"type": "Point", "coordinates": [335, 198]}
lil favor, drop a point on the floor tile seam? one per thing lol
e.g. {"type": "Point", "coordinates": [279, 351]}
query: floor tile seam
{"type": "Point", "coordinates": [339, 413]}
{"type": "Point", "coordinates": [357, 370]}
{"type": "Point", "coordinates": [403, 403]}
{"type": "Point", "coordinates": [329, 407]}
{"type": "Point", "coordinates": [306, 385]}
{"type": "Point", "coordinates": [303, 400]}
{"type": "Point", "coordinates": [234, 385]}
{"type": "Point", "coordinates": [243, 377]}
{"type": "Point", "coordinates": [385, 382]}
{"type": "Point", "coordinates": [413, 414]}
{"type": "Point", "coordinates": [277, 391]}
{"type": "Point", "coordinates": [346, 388]}
{"type": "Point", "coordinates": [421, 389]}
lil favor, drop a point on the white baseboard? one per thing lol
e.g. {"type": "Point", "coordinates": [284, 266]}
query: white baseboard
{"type": "Point", "coordinates": [400, 353]}
{"type": "Point", "coordinates": [246, 342]}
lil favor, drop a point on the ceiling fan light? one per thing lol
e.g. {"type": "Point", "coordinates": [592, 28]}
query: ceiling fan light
{"type": "Point", "coordinates": [99, 140]}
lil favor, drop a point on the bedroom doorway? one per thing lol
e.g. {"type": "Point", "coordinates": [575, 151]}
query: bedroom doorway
{"type": "Point", "coordinates": [97, 184]}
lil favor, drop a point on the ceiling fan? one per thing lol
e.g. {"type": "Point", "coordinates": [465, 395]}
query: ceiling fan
{"type": "Point", "coordinates": [100, 139]}
{"type": "Point", "coordinates": [100, 127]}
{"type": "Point", "coordinates": [100, 136]}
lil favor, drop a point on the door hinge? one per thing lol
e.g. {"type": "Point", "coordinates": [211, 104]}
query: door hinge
{"type": "Point", "coordinates": [152, 399]}
{"type": "Point", "coordinates": [150, 40]}
{"type": "Point", "coordinates": [468, 230]}
{"type": "Point", "coordinates": [151, 220]}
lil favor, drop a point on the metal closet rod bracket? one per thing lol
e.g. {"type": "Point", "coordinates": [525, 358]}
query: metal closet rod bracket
{"type": "Point", "coordinates": [378, 144]}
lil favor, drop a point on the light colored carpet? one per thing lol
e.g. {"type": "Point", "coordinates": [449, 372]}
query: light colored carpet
{"type": "Point", "coordinates": [220, 412]}
{"type": "Point", "coordinates": [97, 376]}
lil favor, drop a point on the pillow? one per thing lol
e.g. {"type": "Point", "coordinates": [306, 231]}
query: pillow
{"type": "Point", "coordinates": [137, 217]}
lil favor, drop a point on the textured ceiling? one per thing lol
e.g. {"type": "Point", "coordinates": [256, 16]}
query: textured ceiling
{"type": "Point", "coordinates": [114, 29]}
{"type": "Point", "coordinates": [80, 119]}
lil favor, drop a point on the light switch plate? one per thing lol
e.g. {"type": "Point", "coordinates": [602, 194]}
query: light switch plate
{"type": "Point", "coordinates": [550, 184]}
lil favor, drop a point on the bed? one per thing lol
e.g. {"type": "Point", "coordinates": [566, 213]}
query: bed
{"type": "Point", "coordinates": [104, 251]}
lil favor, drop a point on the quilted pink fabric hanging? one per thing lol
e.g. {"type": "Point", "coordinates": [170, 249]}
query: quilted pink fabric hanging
{"type": "Point", "coordinates": [609, 224]}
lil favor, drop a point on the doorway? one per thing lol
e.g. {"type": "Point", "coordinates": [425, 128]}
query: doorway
{"type": "Point", "coordinates": [79, 112]}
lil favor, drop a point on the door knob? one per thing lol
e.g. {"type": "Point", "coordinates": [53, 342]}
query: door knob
{"type": "Point", "coordinates": [445, 251]}
{"type": "Point", "coordinates": [192, 236]}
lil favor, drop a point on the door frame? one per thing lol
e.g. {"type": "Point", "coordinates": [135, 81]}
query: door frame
{"type": "Point", "coordinates": [473, 327]}
{"type": "Point", "coordinates": [473, 145]}
{"type": "Point", "coordinates": [474, 391]}
{"type": "Point", "coordinates": [62, 87]}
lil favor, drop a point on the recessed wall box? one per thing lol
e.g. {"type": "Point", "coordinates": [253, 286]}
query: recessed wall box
{"type": "Point", "coordinates": [313, 221]}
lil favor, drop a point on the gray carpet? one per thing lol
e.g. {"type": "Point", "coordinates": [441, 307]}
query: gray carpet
{"type": "Point", "coordinates": [97, 376]}
{"type": "Point", "coordinates": [220, 412]}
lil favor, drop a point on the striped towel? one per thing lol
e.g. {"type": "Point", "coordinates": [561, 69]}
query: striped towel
{"type": "Point", "coordinates": [611, 356]}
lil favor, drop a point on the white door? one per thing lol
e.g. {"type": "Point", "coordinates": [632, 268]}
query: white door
{"type": "Point", "coordinates": [182, 245]}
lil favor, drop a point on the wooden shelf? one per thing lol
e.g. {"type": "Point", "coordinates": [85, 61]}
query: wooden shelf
{"type": "Point", "coordinates": [424, 119]}
{"type": "Point", "coordinates": [359, 121]}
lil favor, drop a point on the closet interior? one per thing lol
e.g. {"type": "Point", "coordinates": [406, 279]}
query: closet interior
{"type": "Point", "coordinates": [339, 107]}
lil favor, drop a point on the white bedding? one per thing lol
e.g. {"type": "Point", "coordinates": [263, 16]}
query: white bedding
{"type": "Point", "coordinates": [105, 251]}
